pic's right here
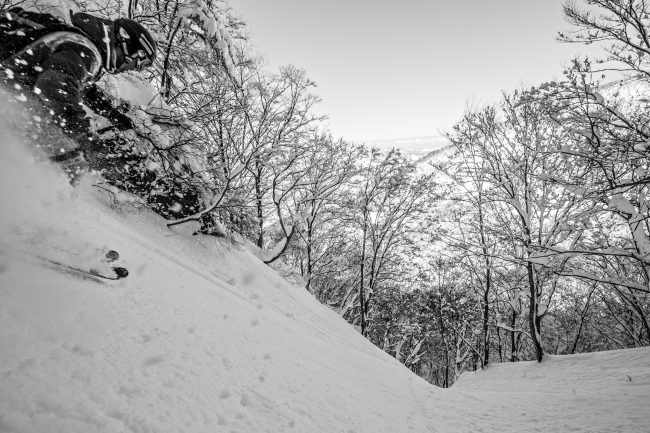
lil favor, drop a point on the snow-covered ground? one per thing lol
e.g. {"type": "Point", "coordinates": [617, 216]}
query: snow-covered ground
{"type": "Point", "coordinates": [202, 337]}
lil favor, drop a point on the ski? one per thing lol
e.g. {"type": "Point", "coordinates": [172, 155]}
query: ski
{"type": "Point", "coordinates": [90, 274]}
{"type": "Point", "coordinates": [119, 273]}
{"type": "Point", "coordinates": [93, 274]}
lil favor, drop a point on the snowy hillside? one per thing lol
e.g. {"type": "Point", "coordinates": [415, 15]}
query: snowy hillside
{"type": "Point", "coordinates": [202, 337]}
{"type": "Point", "coordinates": [600, 391]}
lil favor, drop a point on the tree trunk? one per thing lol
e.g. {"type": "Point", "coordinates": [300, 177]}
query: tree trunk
{"type": "Point", "coordinates": [500, 345]}
{"type": "Point", "coordinates": [534, 321]}
{"type": "Point", "coordinates": [259, 204]}
{"type": "Point", "coordinates": [486, 312]}
{"type": "Point", "coordinates": [488, 285]}
{"type": "Point", "coordinates": [514, 350]}
{"type": "Point", "coordinates": [284, 248]}
{"type": "Point", "coordinates": [445, 383]}
{"type": "Point", "coordinates": [309, 255]}
{"type": "Point", "coordinates": [362, 303]}
{"type": "Point", "coordinates": [582, 321]}
{"type": "Point", "coordinates": [644, 320]}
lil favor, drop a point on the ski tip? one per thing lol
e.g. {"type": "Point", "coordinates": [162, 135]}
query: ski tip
{"type": "Point", "coordinates": [121, 272]}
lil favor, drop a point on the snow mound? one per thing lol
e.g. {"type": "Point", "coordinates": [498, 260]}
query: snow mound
{"type": "Point", "coordinates": [612, 371]}
{"type": "Point", "coordinates": [202, 337]}
{"type": "Point", "coordinates": [599, 391]}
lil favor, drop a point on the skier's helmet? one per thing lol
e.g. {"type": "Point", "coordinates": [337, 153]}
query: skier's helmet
{"type": "Point", "coordinates": [135, 47]}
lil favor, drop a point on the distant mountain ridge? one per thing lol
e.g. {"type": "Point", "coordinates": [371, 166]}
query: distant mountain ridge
{"type": "Point", "coordinates": [426, 143]}
{"type": "Point", "coordinates": [434, 154]}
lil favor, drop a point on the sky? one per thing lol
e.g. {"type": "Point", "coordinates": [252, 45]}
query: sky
{"type": "Point", "coordinates": [389, 69]}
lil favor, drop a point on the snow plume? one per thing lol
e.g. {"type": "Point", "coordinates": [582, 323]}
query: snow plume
{"type": "Point", "coordinates": [23, 116]}
{"type": "Point", "coordinates": [58, 8]}
{"type": "Point", "coordinates": [37, 197]}
{"type": "Point", "coordinates": [23, 201]}
{"type": "Point", "coordinates": [213, 28]}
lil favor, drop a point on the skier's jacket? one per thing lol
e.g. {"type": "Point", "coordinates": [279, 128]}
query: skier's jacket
{"type": "Point", "coordinates": [59, 62]}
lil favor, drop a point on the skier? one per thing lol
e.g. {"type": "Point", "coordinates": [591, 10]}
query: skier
{"type": "Point", "coordinates": [61, 61]}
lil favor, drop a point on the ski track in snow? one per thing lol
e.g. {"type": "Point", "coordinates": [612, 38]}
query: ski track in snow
{"type": "Point", "coordinates": [202, 337]}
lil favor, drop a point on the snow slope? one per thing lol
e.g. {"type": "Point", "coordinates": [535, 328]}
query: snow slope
{"type": "Point", "coordinates": [202, 337]}
{"type": "Point", "coordinates": [600, 391]}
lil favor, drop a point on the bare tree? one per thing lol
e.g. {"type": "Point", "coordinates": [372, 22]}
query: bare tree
{"type": "Point", "coordinates": [390, 200]}
{"type": "Point", "coordinates": [620, 25]}
{"type": "Point", "coordinates": [507, 148]}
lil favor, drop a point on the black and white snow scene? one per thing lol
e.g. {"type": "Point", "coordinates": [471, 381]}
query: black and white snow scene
{"type": "Point", "coordinates": [188, 245]}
